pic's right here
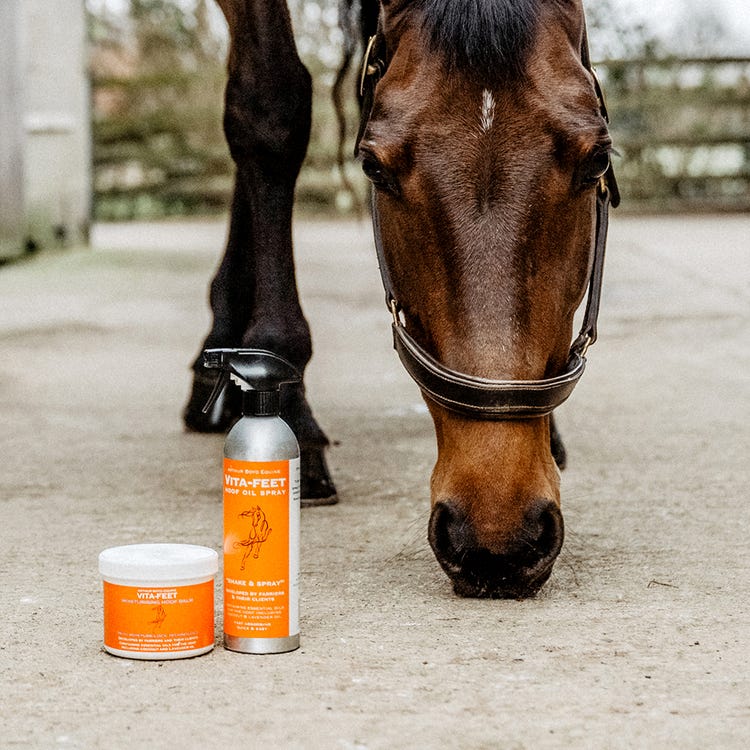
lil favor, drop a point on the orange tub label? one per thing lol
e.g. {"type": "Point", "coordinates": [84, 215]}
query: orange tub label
{"type": "Point", "coordinates": [257, 586]}
{"type": "Point", "coordinates": [158, 619]}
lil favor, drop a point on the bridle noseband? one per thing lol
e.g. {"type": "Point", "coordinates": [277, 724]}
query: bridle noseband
{"type": "Point", "coordinates": [483, 398]}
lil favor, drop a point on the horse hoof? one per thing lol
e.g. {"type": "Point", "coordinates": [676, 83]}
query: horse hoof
{"type": "Point", "coordinates": [317, 486]}
{"type": "Point", "coordinates": [220, 417]}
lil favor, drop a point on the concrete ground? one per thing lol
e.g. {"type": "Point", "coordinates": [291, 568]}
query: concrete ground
{"type": "Point", "coordinates": [639, 640]}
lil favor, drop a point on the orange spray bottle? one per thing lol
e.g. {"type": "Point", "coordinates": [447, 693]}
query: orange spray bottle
{"type": "Point", "coordinates": [261, 506]}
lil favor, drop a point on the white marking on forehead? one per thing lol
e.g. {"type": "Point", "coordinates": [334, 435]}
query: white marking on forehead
{"type": "Point", "coordinates": [488, 111]}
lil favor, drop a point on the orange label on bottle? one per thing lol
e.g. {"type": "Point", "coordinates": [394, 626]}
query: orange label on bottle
{"type": "Point", "coordinates": [158, 619]}
{"type": "Point", "coordinates": [260, 586]}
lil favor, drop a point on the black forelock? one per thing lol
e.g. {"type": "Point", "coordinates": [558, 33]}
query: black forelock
{"type": "Point", "coordinates": [490, 38]}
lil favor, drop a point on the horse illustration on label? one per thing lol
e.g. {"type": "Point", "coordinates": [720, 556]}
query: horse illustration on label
{"type": "Point", "coordinates": [258, 533]}
{"type": "Point", "coordinates": [160, 614]}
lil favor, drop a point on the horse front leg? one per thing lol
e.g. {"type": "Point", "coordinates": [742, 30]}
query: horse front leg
{"type": "Point", "coordinates": [253, 295]}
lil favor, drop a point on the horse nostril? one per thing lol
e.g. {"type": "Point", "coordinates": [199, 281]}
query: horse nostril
{"type": "Point", "coordinates": [543, 535]}
{"type": "Point", "coordinates": [517, 570]}
{"type": "Point", "coordinates": [450, 535]}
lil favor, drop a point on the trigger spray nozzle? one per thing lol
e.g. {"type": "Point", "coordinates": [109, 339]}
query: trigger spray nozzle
{"type": "Point", "coordinates": [259, 373]}
{"type": "Point", "coordinates": [221, 384]}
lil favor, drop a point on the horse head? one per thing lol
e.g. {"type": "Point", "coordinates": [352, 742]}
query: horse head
{"type": "Point", "coordinates": [486, 142]}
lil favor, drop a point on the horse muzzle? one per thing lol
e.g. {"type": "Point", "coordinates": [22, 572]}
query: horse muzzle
{"type": "Point", "coordinates": [517, 569]}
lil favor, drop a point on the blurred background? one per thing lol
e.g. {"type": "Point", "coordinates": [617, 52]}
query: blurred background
{"type": "Point", "coordinates": [112, 110]}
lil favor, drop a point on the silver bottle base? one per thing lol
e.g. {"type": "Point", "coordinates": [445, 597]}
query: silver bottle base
{"type": "Point", "coordinates": [261, 645]}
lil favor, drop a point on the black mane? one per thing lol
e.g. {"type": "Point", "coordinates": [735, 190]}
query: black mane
{"type": "Point", "coordinates": [490, 38]}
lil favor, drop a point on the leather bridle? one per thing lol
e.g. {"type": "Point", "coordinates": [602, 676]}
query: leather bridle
{"type": "Point", "coordinates": [468, 395]}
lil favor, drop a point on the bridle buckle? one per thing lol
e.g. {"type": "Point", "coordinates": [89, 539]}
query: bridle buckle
{"type": "Point", "coordinates": [393, 306]}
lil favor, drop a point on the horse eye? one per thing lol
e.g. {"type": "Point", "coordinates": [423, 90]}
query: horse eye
{"type": "Point", "coordinates": [595, 167]}
{"type": "Point", "coordinates": [378, 175]}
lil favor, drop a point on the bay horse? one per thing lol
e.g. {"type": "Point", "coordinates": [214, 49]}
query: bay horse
{"type": "Point", "coordinates": [485, 137]}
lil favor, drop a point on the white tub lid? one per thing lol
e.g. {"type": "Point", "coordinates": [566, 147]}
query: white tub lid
{"type": "Point", "coordinates": [158, 562]}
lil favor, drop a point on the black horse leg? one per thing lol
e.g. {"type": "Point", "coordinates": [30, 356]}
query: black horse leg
{"type": "Point", "coordinates": [254, 293]}
{"type": "Point", "coordinates": [230, 289]}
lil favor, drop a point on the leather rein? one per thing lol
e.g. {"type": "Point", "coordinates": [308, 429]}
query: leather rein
{"type": "Point", "coordinates": [484, 398]}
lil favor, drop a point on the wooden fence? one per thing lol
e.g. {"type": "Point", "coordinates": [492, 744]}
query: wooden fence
{"type": "Point", "coordinates": [681, 127]}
